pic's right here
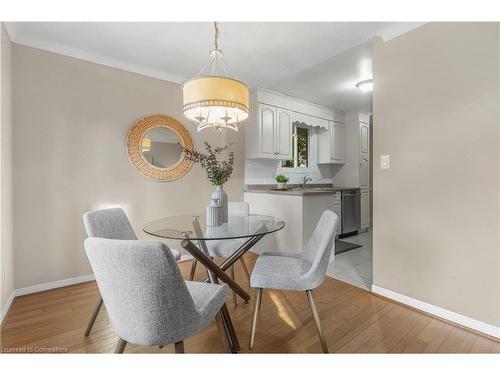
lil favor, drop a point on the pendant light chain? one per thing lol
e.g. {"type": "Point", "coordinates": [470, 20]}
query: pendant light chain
{"type": "Point", "coordinates": [216, 36]}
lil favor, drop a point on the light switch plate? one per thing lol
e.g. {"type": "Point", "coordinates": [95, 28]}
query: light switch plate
{"type": "Point", "coordinates": [385, 161]}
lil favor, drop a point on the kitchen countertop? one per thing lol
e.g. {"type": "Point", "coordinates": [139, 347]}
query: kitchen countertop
{"type": "Point", "coordinates": [312, 189]}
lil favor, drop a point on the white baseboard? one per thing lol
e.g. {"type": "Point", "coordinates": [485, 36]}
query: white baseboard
{"type": "Point", "coordinates": [438, 311]}
{"type": "Point", "coordinates": [6, 308]}
{"type": "Point", "coordinates": [41, 288]}
{"type": "Point", "coordinates": [53, 285]}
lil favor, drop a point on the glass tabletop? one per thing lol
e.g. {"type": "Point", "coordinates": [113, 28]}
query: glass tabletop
{"type": "Point", "coordinates": [238, 226]}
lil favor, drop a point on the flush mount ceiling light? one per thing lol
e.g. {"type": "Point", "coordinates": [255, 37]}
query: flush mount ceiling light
{"type": "Point", "coordinates": [213, 98]}
{"type": "Point", "coordinates": [366, 85]}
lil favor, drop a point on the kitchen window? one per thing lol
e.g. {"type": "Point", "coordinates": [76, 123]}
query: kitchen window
{"type": "Point", "coordinates": [300, 149]}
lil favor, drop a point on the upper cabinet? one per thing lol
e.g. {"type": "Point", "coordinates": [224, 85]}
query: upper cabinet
{"type": "Point", "coordinates": [284, 131]}
{"type": "Point", "coordinates": [338, 143]}
{"type": "Point", "coordinates": [274, 135]}
{"type": "Point", "coordinates": [331, 144]}
{"type": "Point", "coordinates": [269, 130]}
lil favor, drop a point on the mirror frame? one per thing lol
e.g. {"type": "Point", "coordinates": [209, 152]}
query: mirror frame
{"type": "Point", "coordinates": [134, 145]}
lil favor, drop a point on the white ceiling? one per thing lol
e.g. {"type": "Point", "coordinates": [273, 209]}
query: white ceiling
{"type": "Point", "coordinates": [275, 55]}
{"type": "Point", "coordinates": [332, 83]}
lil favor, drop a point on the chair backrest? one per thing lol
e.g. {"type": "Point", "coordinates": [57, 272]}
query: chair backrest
{"type": "Point", "coordinates": [321, 244]}
{"type": "Point", "coordinates": [109, 223]}
{"type": "Point", "coordinates": [147, 300]}
{"type": "Point", "coordinates": [238, 208]}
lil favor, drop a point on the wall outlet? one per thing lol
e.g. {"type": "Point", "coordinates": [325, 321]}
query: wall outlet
{"type": "Point", "coordinates": [385, 161]}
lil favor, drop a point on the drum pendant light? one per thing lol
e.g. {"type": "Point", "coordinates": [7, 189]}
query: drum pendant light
{"type": "Point", "coordinates": [213, 98]}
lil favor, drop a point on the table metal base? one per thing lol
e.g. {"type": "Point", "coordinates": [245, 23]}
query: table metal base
{"type": "Point", "coordinates": [214, 272]}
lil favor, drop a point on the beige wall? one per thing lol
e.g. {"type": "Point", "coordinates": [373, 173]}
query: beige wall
{"type": "Point", "coordinates": [6, 206]}
{"type": "Point", "coordinates": [71, 120]}
{"type": "Point", "coordinates": [436, 211]}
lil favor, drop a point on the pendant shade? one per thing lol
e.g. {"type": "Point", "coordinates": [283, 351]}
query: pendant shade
{"type": "Point", "coordinates": [214, 100]}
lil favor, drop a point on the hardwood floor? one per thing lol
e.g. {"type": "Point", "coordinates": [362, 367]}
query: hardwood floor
{"type": "Point", "coordinates": [354, 321]}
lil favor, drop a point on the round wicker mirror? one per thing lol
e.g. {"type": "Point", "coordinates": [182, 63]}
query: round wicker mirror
{"type": "Point", "coordinates": [153, 147]}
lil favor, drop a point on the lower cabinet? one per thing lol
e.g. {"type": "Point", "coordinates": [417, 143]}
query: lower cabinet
{"type": "Point", "coordinates": [365, 209]}
{"type": "Point", "coordinates": [300, 213]}
{"type": "Point", "coordinates": [337, 208]}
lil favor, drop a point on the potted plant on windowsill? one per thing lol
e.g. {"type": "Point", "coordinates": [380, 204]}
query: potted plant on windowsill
{"type": "Point", "coordinates": [281, 181]}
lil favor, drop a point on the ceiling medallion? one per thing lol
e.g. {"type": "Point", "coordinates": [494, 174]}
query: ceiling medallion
{"type": "Point", "coordinates": [213, 99]}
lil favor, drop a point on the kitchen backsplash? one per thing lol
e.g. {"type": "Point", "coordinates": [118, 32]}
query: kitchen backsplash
{"type": "Point", "coordinates": [263, 171]}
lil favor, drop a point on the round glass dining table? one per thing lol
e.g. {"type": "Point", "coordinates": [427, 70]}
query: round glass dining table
{"type": "Point", "coordinates": [238, 226]}
{"type": "Point", "coordinates": [188, 228]}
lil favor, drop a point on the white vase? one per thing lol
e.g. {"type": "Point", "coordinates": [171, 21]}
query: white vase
{"type": "Point", "coordinates": [214, 214]}
{"type": "Point", "coordinates": [221, 195]}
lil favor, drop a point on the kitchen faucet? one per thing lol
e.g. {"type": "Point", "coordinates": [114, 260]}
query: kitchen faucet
{"type": "Point", "coordinates": [305, 180]}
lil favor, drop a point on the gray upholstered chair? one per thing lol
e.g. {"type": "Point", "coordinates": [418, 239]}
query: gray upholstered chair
{"type": "Point", "coordinates": [147, 300]}
{"type": "Point", "coordinates": [109, 223]}
{"type": "Point", "coordinates": [298, 272]}
{"type": "Point", "coordinates": [225, 248]}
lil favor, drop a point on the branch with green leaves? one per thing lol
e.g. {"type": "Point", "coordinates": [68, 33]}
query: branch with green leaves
{"type": "Point", "coordinates": [218, 172]}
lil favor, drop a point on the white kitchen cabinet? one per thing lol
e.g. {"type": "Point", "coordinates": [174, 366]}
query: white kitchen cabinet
{"type": "Point", "coordinates": [300, 213]}
{"type": "Point", "coordinates": [364, 156]}
{"type": "Point", "coordinates": [338, 143]}
{"type": "Point", "coordinates": [356, 170]}
{"type": "Point", "coordinates": [331, 144]}
{"type": "Point", "coordinates": [364, 172]}
{"type": "Point", "coordinates": [365, 209]}
{"type": "Point", "coordinates": [337, 208]}
{"type": "Point", "coordinates": [364, 137]}
{"type": "Point", "coordinates": [284, 131]}
{"type": "Point", "coordinates": [274, 135]}
{"type": "Point", "coordinates": [269, 129]}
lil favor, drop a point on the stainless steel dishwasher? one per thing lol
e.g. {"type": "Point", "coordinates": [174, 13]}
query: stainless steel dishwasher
{"type": "Point", "coordinates": [351, 211]}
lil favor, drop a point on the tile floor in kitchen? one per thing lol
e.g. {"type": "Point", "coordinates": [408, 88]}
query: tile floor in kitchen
{"type": "Point", "coordinates": [355, 266]}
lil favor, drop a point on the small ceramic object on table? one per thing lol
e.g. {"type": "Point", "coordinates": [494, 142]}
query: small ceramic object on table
{"type": "Point", "coordinates": [214, 213]}
{"type": "Point", "coordinates": [221, 195]}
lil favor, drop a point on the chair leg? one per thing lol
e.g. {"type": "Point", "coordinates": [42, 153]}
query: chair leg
{"type": "Point", "coordinates": [193, 269]}
{"type": "Point", "coordinates": [179, 347]}
{"type": "Point", "coordinates": [120, 347]}
{"type": "Point", "coordinates": [93, 317]}
{"type": "Point", "coordinates": [317, 320]}
{"type": "Point", "coordinates": [260, 300]}
{"type": "Point", "coordinates": [223, 332]}
{"type": "Point", "coordinates": [244, 265]}
{"type": "Point", "coordinates": [256, 308]}
{"type": "Point", "coordinates": [234, 293]}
